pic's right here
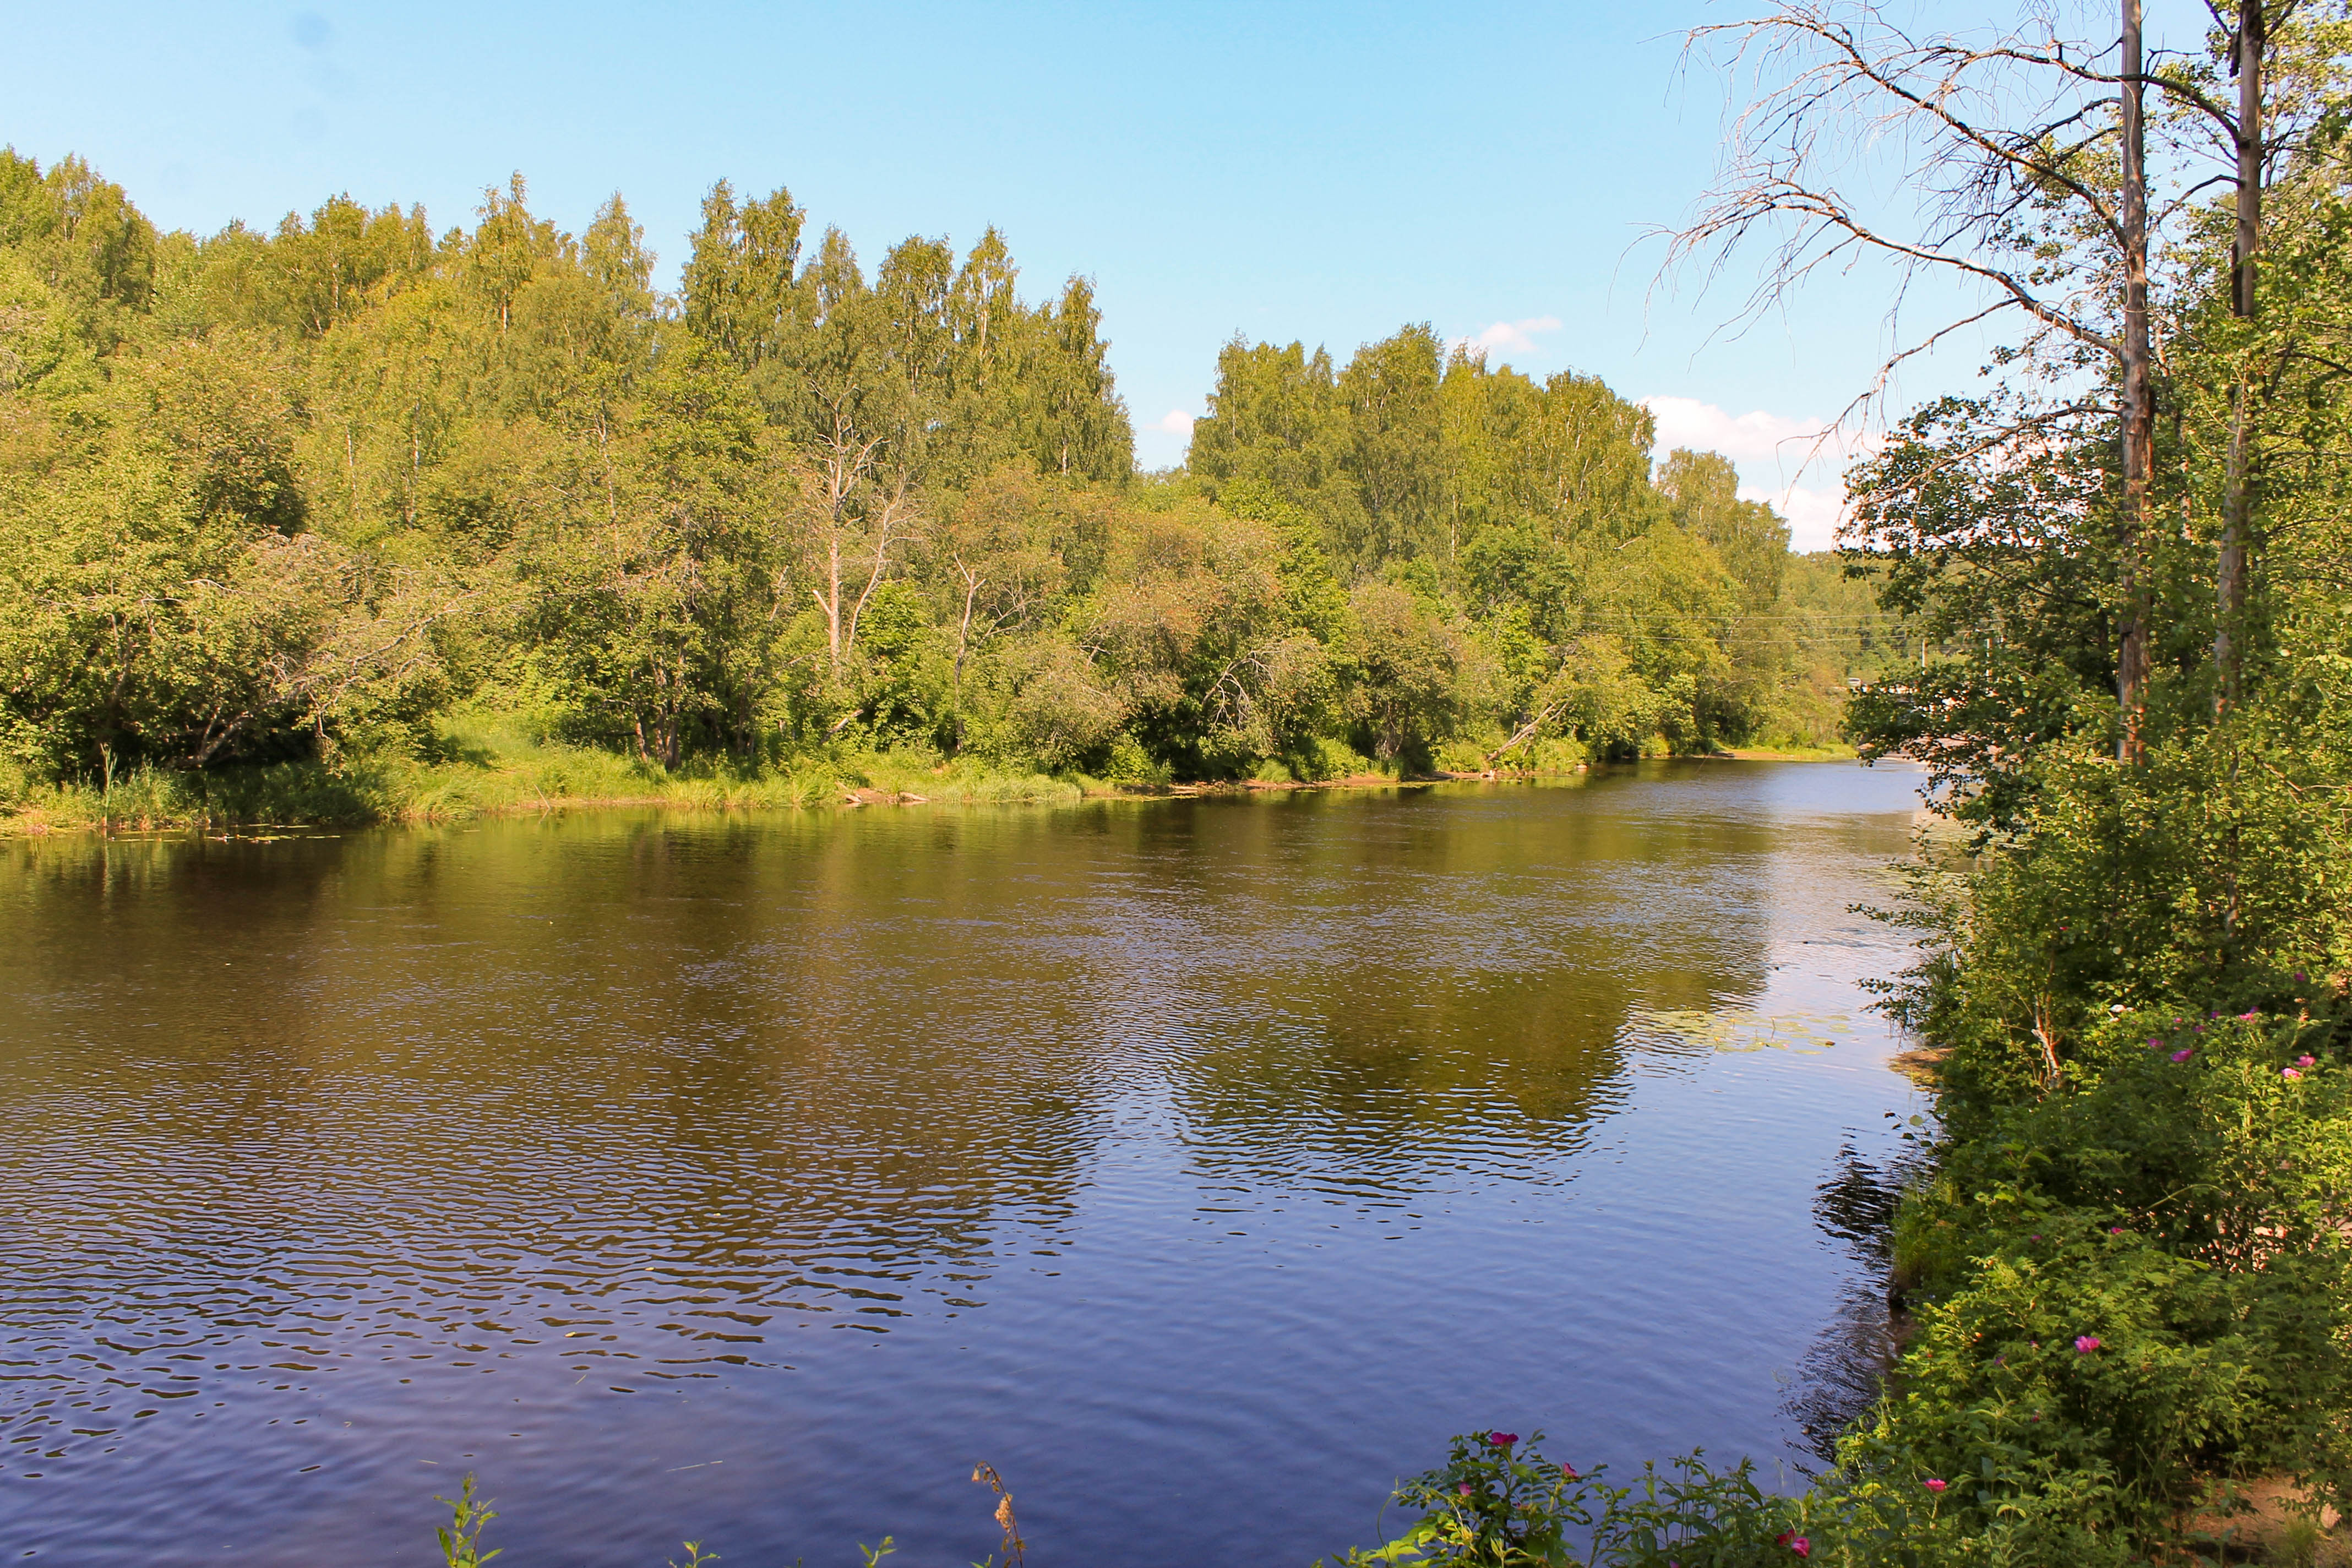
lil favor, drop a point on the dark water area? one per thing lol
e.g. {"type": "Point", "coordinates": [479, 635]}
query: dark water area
{"type": "Point", "coordinates": [1200, 1163]}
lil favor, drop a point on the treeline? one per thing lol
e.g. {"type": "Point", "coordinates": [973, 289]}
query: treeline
{"type": "Point", "coordinates": [307, 494]}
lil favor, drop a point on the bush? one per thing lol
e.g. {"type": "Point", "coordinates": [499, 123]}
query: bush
{"type": "Point", "coordinates": [1498, 1504]}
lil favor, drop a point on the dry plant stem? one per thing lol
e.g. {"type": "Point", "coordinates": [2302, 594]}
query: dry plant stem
{"type": "Point", "coordinates": [1013, 1546]}
{"type": "Point", "coordinates": [2045, 1035]}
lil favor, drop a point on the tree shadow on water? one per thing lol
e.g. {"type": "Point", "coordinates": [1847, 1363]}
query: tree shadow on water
{"type": "Point", "coordinates": [1844, 1372]}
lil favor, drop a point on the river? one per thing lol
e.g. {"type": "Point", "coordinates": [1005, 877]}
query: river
{"type": "Point", "coordinates": [1201, 1163]}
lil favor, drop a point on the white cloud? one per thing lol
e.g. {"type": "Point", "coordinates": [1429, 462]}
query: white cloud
{"type": "Point", "coordinates": [1504, 339]}
{"type": "Point", "coordinates": [1176, 422]}
{"type": "Point", "coordinates": [1773, 452]}
{"type": "Point", "coordinates": [1753, 437]}
{"type": "Point", "coordinates": [1813, 513]}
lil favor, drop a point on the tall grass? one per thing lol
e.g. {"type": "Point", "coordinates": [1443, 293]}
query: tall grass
{"type": "Point", "coordinates": [493, 773]}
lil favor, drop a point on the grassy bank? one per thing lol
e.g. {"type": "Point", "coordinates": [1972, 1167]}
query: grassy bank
{"type": "Point", "coordinates": [519, 776]}
{"type": "Point", "coordinates": [500, 764]}
{"type": "Point", "coordinates": [536, 778]}
{"type": "Point", "coordinates": [1834, 752]}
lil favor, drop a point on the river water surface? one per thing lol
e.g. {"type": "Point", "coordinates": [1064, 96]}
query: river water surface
{"type": "Point", "coordinates": [1200, 1163]}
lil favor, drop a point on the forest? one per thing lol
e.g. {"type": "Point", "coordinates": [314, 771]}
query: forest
{"type": "Point", "coordinates": [350, 500]}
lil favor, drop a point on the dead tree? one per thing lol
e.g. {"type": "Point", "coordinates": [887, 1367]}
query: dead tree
{"type": "Point", "coordinates": [2026, 156]}
{"type": "Point", "coordinates": [859, 514]}
{"type": "Point", "coordinates": [2248, 42]}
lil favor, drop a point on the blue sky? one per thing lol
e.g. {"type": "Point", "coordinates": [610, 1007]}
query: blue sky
{"type": "Point", "coordinates": [1324, 171]}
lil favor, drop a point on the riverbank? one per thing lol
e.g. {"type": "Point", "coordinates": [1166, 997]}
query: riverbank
{"type": "Point", "coordinates": [312, 795]}
{"type": "Point", "coordinates": [1834, 754]}
{"type": "Point", "coordinates": [543, 778]}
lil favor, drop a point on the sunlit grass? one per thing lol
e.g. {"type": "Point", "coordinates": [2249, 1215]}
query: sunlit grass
{"type": "Point", "coordinates": [494, 764]}
{"type": "Point", "coordinates": [503, 769]}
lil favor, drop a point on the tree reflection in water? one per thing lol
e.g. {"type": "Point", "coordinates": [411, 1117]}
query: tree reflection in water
{"type": "Point", "coordinates": [747, 1177]}
{"type": "Point", "coordinates": [1844, 1372]}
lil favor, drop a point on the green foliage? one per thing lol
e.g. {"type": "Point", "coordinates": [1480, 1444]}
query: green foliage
{"type": "Point", "coordinates": [1498, 1503]}
{"type": "Point", "coordinates": [2129, 1263]}
{"type": "Point", "coordinates": [1492, 1503]}
{"type": "Point", "coordinates": [269, 499]}
{"type": "Point", "coordinates": [460, 1540]}
{"type": "Point", "coordinates": [2132, 1291]}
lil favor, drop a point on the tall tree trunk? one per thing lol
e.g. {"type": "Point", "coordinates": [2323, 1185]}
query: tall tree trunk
{"type": "Point", "coordinates": [2236, 485]}
{"type": "Point", "coordinates": [830, 600]}
{"type": "Point", "coordinates": [2137, 404]}
{"type": "Point", "coordinates": [2229, 567]}
{"type": "Point", "coordinates": [2250, 41]}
